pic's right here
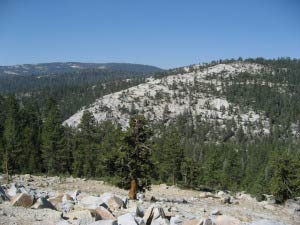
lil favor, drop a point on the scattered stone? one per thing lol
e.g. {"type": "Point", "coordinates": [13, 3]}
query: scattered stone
{"type": "Point", "coordinates": [176, 220]}
{"type": "Point", "coordinates": [221, 194]}
{"type": "Point", "coordinates": [22, 199]}
{"type": "Point", "coordinates": [227, 220]}
{"type": "Point", "coordinates": [127, 219]}
{"type": "Point", "coordinates": [140, 196]}
{"type": "Point", "coordinates": [13, 190]}
{"type": "Point", "coordinates": [154, 214]}
{"type": "Point", "coordinates": [269, 198]}
{"type": "Point", "coordinates": [82, 217]}
{"type": "Point", "coordinates": [160, 221]}
{"type": "Point", "coordinates": [55, 201]}
{"type": "Point", "coordinates": [91, 202]}
{"type": "Point", "coordinates": [244, 196]}
{"type": "Point", "coordinates": [206, 221]}
{"type": "Point", "coordinates": [75, 194]}
{"type": "Point", "coordinates": [139, 211]}
{"type": "Point", "coordinates": [206, 195]}
{"type": "Point", "coordinates": [106, 196]}
{"type": "Point", "coordinates": [103, 213]}
{"type": "Point", "coordinates": [105, 222]}
{"type": "Point", "coordinates": [226, 199]}
{"type": "Point", "coordinates": [28, 177]}
{"type": "Point", "coordinates": [293, 206]}
{"type": "Point", "coordinates": [37, 193]}
{"type": "Point", "coordinates": [173, 209]}
{"type": "Point", "coordinates": [216, 212]}
{"type": "Point", "coordinates": [65, 206]}
{"type": "Point", "coordinates": [43, 203]}
{"type": "Point", "coordinates": [82, 208]}
{"type": "Point", "coordinates": [172, 200]}
{"type": "Point", "coordinates": [3, 195]}
{"type": "Point", "coordinates": [67, 197]}
{"type": "Point", "coordinates": [114, 203]}
{"type": "Point", "coordinates": [125, 202]}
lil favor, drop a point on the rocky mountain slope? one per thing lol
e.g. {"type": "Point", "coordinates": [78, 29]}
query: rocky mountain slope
{"type": "Point", "coordinates": [54, 200]}
{"type": "Point", "coordinates": [197, 90]}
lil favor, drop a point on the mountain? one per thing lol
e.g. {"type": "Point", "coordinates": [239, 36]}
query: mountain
{"type": "Point", "coordinates": [243, 93]}
{"type": "Point", "coordinates": [167, 97]}
{"type": "Point", "coordinates": [65, 67]}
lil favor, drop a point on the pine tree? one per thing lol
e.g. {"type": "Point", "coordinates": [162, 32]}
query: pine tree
{"type": "Point", "coordinates": [12, 138]}
{"type": "Point", "coordinates": [2, 122]}
{"type": "Point", "coordinates": [285, 180]}
{"type": "Point", "coordinates": [31, 138]}
{"type": "Point", "coordinates": [87, 147]}
{"type": "Point", "coordinates": [172, 156]}
{"type": "Point", "coordinates": [137, 163]}
{"type": "Point", "coordinates": [52, 138]}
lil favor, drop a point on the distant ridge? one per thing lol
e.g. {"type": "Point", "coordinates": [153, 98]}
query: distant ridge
{"type": "Point", "coordinates": [63, 67]}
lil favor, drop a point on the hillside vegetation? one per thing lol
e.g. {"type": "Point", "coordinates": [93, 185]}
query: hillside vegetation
{"type": "Point", "coordinates": [231, 125]}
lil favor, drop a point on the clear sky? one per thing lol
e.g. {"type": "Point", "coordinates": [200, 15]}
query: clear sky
{"type": "Point", "coordinates": [157, 32]}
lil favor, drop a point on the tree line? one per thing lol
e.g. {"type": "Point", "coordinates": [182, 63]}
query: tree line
{"type": "Point", "coordinates": [33, 140]}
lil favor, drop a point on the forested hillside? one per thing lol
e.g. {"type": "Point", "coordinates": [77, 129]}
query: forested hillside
{"type": "Point", "coordinates": [73, 85]}
{"type": "Point", "coordinates": [250, 143]}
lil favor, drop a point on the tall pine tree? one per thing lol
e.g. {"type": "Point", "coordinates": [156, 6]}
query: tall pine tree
{"type": "Point", "coordinates": [137, 165]}
{"type": "Point", "coordinates": [52, 138]}
{"type": "Point", "coordinates": [12, 138]}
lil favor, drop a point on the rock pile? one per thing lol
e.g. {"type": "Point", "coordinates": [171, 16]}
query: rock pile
{"type": "Point", "coordinates": [22, 202]}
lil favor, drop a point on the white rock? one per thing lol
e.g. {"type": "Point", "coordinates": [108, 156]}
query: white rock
{"type": "Point", "coordinates": [90, 202]}
{"type": "Point", "coordinates": [175, 220]}
{"type": "Point", "coordinates": [13, 190]}
{"type": "Point", "coordinates": [127, 219]}
{"type": "Point", "coordinates": [82, 217]}
{"type": "Point", "coordinates": [106, 196]}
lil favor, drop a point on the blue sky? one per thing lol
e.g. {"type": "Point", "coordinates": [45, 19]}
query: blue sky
{"type": "Point", "coordinates": [157, 32]}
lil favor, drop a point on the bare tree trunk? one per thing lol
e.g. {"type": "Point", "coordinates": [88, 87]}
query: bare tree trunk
{"type": "Point", "coordinates": [133, 189]}
{"type": "Point", "coordinates": [6, 167]}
